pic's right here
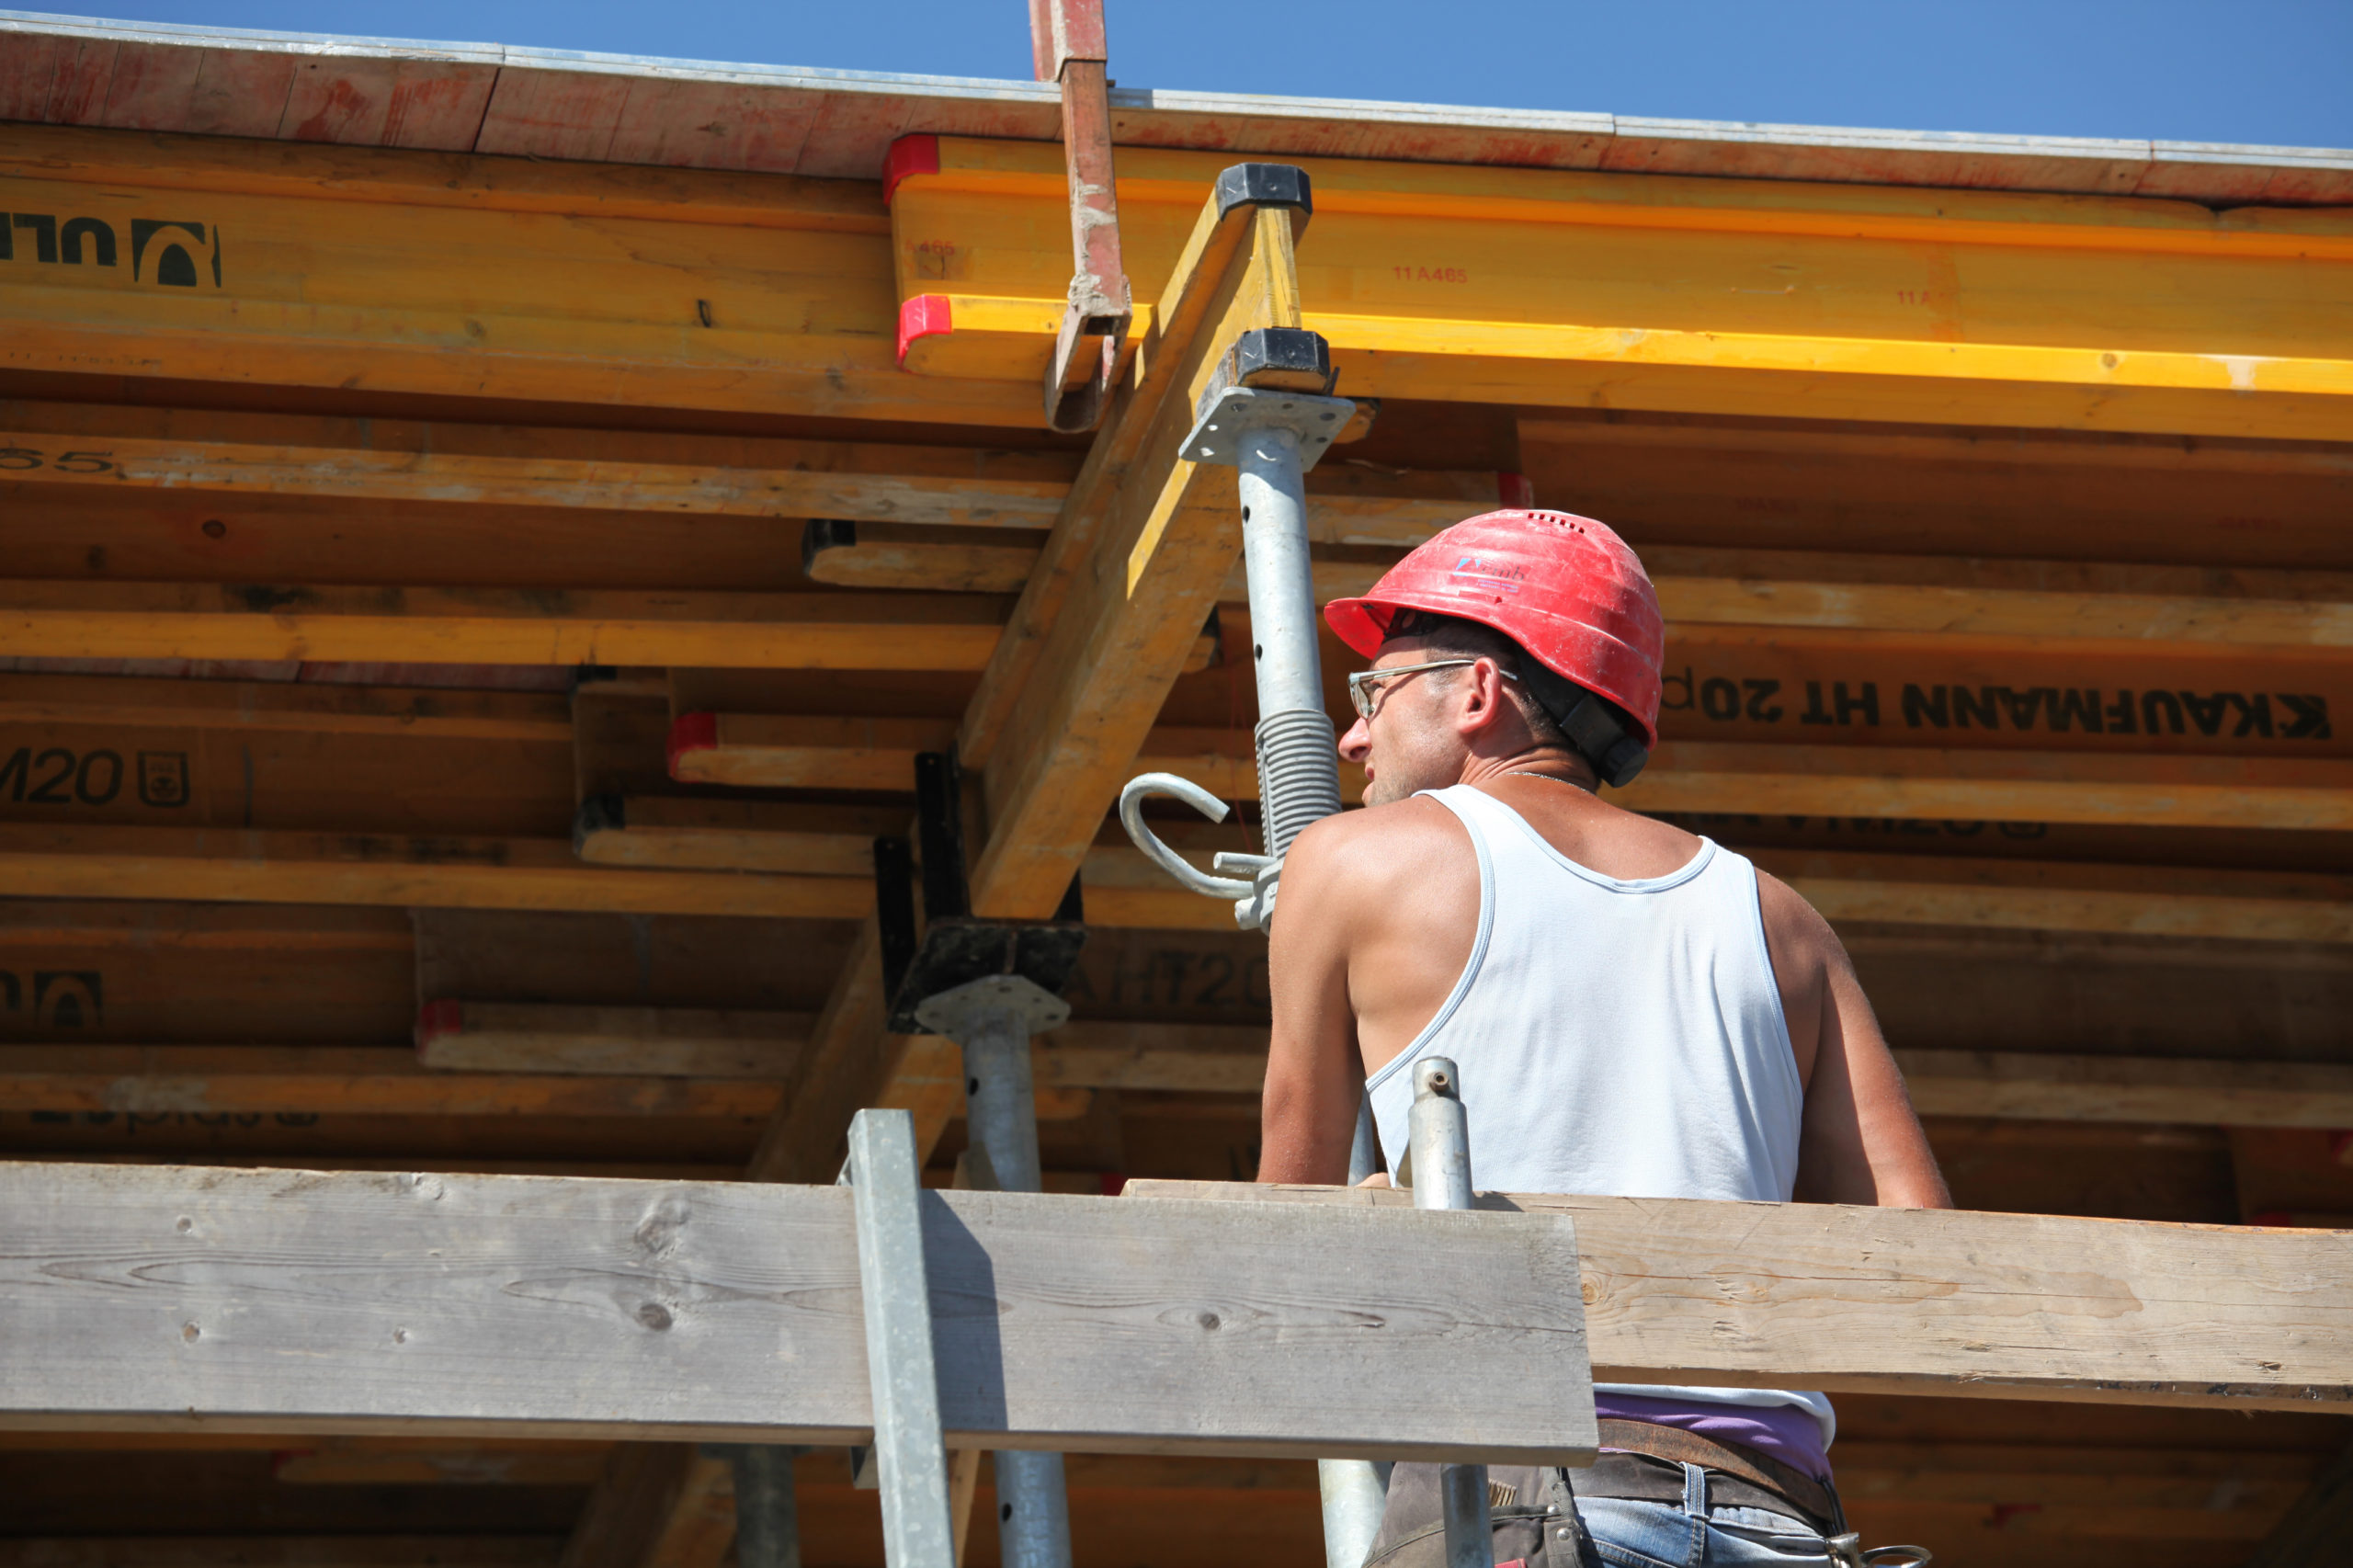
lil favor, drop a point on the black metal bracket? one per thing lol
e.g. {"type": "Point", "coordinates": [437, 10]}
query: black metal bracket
{"type": "Point", "coordinates": [955, 947]}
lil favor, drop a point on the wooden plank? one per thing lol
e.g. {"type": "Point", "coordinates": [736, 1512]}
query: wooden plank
{"type": "Point", "coordinates": [785, 751]}
{"type": "Point", "coordinates": [348, 1080]}
{"type": "Point", "coordinates": [485, 277]}
{"type": "Point", "coordinates": [81, 449]}
{"type": "Point", "coordinates": [1231, 1059]}
{"type": "Point", "coordinates": [171, 1298]}
{"type": "Point", "coordinates": [189, 620]}
{"type": "Point", "coordinates": [326, 868]}
{"type": "Point", "coordinates": [85, 447]}
{"type": "Point", "coordinates": [1812, 485]}
{"type": "Point", "coordinates": [2128, 1089]}
{"type": "Point", "coordinates": [284, 705]}
{"type": "Point", "coordinates": [688, 1043]}
{"type": "Point", "coordinates": [476, 1037]}
{"type": "Point", "coordinates": [734, 836]}
{"type": "Point", "coordinates": [1541, 288]}
{"type": "Point", "coordinates": [2008, 786]}
{"type": "Point", "coordinates": [2055, 896]}
{"type": "Point", "coordinates": [1917, 1301]}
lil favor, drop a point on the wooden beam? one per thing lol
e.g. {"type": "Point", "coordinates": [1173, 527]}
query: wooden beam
{"type": "Point", "coordinates": [1231, 1059]}
{"type": "Point", "coordinates": [307, 708]}
{"type": "Point", "coordinates": [1985, 785]}
{"type": "Point", "coordinates": [2053, 896]}
{"type": "Point", "coordinates": [477, 1037]}
{"type": "Point", "coordinates": [177, 450]}
{"type": "Point", "coordinates": [155, 1325]}
{"type": "Point", "coordinates": [348, 1080]}
{"type": "Point", "coordinates": [43, 861]}
{"type": "Point", "coordinates": [1129, 571]}
{"type": "Point", "coordinates": [2128, 1089]}
{"type": "Point", "coordinates": [1542, 287]}
{"type": "Point", "coordinates": [196, 621]}
{"type": "Point", "coordinates": [1916, 1301]}
{"type": "Point", "coordinates": [431, 274]}
{"type": "Point", "coordinates": [83, 447]}
{"type": "Point", "coordinates": [782, 751]}
{"type": "Point", "coordinates": [1777, 779]}
{"type": "Point", "coordinates": [507, 1037]}
{"type": "Point", "coordinates": [493, 1305]}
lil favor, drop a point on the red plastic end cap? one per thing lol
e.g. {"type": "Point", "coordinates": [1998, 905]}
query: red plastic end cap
{"type": "Point", "coordinates": [1113, 1183]}
{"type": "Point", "coordinates": [908, 155]}
{"type": "Point", "coordinates": [1515, 490]}
{"type": "Point", "coordinates": [2272, 1218]}
{"type": "Point", "coordinates": [925, 315]}
{"type": "Point", "coordinates": [692, 732]}
{"type": "Point", "coordinates": [435, 1020]}
{"type": "Point", "coordinates": [2340, 1147]}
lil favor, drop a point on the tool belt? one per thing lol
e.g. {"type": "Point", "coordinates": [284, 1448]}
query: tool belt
{"type": "Point", "coordinates": [1744, 1478]}
{"type": "Point", "coordinates": [1532, 1507]}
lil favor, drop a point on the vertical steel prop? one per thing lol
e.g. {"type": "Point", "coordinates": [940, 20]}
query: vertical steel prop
{"type": "Point", "coordinates": [768, 1517]}
{"type": "Point", "coordinates": [1439, 1134]}
{"type": "Point", "coordinates": [993, 1021]}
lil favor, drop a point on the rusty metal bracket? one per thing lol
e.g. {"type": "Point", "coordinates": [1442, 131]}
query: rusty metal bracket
{"type": "Point", "coordinates": [1067, 46]}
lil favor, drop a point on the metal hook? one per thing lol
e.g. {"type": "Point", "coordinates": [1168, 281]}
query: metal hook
{"type": "Point", "coordinates": [1132, 800]}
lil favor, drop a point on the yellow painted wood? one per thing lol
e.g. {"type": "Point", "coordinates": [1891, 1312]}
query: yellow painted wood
{"type": "Point", "coordinates": [480, 289]}
{"type": "Point", "coordinates": [1539, 287]}
{"type": "Point", "coordinates": [174, 621]}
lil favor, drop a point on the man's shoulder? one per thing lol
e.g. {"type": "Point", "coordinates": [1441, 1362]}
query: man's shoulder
{"type": "Point", "coordinates": [1377, 843]}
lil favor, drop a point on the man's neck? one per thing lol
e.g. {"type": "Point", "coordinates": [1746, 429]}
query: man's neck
{"type": "Point", "coordinates": [1553, 762]}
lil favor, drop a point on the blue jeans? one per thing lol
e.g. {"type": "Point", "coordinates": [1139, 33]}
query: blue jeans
{"type": "Point", "coordinates": [1630, 1534]}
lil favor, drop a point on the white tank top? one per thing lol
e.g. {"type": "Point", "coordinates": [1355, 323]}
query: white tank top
{"type": "Point", "coordinates": [1614, 1038]}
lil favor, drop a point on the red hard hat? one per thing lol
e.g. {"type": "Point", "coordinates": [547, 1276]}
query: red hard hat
{"type": "Point", "coordinates": [1566, 589]}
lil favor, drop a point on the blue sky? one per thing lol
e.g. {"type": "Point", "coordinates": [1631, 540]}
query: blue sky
{"type": "Point", "coordinates": [2262, 71]}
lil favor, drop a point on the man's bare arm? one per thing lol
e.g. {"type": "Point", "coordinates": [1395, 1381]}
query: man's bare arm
{"type": "Point", "coordinates": [1314, 1071]}
{"type": "Point", "coordinates": [1860, 1142]}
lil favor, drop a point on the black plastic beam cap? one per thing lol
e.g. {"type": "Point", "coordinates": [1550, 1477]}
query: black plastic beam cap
{"type": "Point", "coordinates": [1264, 185]}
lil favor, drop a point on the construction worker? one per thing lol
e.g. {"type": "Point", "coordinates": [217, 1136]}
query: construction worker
{"type": "Point", "coordinates": [1633, 1010]}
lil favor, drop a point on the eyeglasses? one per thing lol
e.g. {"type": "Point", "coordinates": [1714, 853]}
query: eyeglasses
{"type": "Point", "coordinates": [1365, 687]}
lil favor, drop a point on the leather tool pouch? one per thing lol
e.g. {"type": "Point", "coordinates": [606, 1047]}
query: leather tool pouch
{"type": "Point", "coordinates": [1537, 1524]}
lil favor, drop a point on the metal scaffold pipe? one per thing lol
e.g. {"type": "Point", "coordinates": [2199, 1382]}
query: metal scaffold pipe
{"type": "Point", "coordinates": [993, 1021]}
{"type": "Point", "coordinates": [1299, 777]}
{"type": "Point", "coordinates": [1439, 1132]}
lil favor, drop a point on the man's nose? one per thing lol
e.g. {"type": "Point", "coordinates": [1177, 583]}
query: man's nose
{"type": "Point", "coordinates": [1357, 744]}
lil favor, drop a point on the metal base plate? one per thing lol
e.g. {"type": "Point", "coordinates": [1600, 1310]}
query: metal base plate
{"type": "Point", "coordinates": [962, 949]}
{"type": "Point", "coordinates": [951, 1012]}
{"type": "Point", "coordinates": [1316, 420]}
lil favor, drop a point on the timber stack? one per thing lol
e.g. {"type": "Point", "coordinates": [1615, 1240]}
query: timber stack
{"type": "Point", "coordinates": [489, 536]}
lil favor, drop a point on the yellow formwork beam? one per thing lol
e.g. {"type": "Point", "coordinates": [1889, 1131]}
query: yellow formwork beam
{"type": "Point", "coordinates": [210, 259]}
{"type": "Point", "coordinates": [1695, 295]}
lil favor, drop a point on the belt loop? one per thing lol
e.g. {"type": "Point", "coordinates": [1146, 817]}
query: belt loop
{"type": "Point", "coordinates": [1695, 1491]}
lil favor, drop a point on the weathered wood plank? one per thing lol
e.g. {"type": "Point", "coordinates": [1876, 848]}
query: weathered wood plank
{"type": "Point", "coordinates": [884, 486]}
{"type": "Point", "coordinates": [176, 1297]}
{"type": "Point", "coordinates": [453, 1035]}
{"type": "Point", "coordinates": [349, 1080]}
{"type": "Point", "coordinates": [1916, 1301]}
{"type": "Point", "coordinates": [197, 621]}
{"type": "Point", "coordinates": [230, 866]}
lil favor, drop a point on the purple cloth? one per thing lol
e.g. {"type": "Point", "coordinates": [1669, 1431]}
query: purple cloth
{"type": "Point", "coordinates": [1786, 1432]}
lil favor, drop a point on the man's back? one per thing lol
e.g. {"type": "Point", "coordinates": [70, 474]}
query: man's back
{"type": "Point", "coordinates": [1615, 1033]}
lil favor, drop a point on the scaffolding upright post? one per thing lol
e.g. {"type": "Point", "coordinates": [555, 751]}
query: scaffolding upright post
{"type": "Point", "coordinates": [1439, 1133]}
